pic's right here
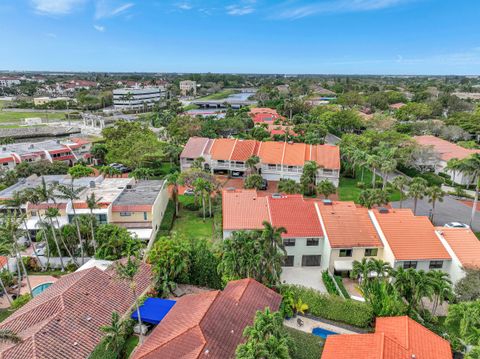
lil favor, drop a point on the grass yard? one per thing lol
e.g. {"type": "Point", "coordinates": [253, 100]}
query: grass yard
{"type": "Point", "coordinates": [5, 313]}
{"type": "Point", "coordinates": [304, 345]}
{"type": "Point", "coordinates": [190, 222]}
{"type": "Point", "coordinates": [130, 345]}
{"type": "Point", "coordinates": [348, 190]}
{"type": "Point", "coordinates": [19, 116]}
{"type": "Point", "coordinates": [219, 95]}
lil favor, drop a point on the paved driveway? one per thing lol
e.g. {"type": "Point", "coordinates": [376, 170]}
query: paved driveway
{"type": "Point", "coordinates": [310, 277]}
{"type": "Point", "coordinates": [450, 210]}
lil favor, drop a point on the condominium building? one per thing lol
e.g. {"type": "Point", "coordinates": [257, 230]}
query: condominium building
{"type": "Point", "coordinates": [188, 88]}
{"type": "Point", "coordinates": [136, 97]}
{"type": "Point", "coordinates": [331, 235]}
{"type": "Point", "coordinates": [278, 160]}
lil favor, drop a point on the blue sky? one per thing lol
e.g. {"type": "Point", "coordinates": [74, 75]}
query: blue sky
{"type": "Point", "coordinates": [242, 36]}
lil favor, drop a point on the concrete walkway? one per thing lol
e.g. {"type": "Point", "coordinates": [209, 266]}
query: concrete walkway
{"type": "Point", "coordinates": [309, 324]}
{"type": "Point", "coordinates": [310, 277]}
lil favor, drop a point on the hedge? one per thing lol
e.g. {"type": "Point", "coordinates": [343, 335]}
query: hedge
{"type": "Point", "coordinates": [328, 281]}
{"type": "Point", "coordinates": [168, 217]}
{"type": "Point", "coordinates": [339, 281]}
{"type": "Point", "coordinates": [335, 308]}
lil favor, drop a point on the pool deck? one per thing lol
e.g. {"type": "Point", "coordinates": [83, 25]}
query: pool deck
{"type": "Point", "coordinates": [309, 324]}
{"type": "Point", "coordinates": [34, 281]}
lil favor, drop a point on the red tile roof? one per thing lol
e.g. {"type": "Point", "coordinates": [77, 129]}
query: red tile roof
{"type": "Point", "coordinates": [464, 244]}
{"type": "Point", "coordinates": [410, 237]}
{"type": "Point", "coordinates": [244, 149]}
{"type": "Point", "coordinates": [242, 209]}
{"type": "Point", "coordinates": [348, 225]}
{"type": "Point", "coordinates": [446, 150]}
{"type": "Point", "coordinates": [209, 324]}
{"type": "Point", "coordinates": [65, 320]}
{"type": "Point", "coordinates": [222, 148]}
{"type": "Point", "coordinates": [394, 338]}
{"type": "Point", "coordinates": [195, 147]}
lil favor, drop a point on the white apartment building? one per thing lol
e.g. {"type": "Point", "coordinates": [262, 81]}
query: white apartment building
{"type": "Point", "coordinates": [137, 98]}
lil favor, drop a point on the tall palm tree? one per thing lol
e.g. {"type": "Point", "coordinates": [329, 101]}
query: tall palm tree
{"type": "Point", "coordinates": [361, 270]}
{"type": "Point", "coordinates": [373, 161]}
{"type": "Point", "coordinates": [453, 166]}
{"type": "Point", "coordinates": [387, 167]}
{"type": "Point", "coordinates": [274, 252]}
{"type": "Point", "coordinates": [434, 194]}
{"type": "Point", "coordinates": [417, 190]}
{"type": "Point", "coordinates": [442, 288]}
{"type": "Point", "coordinates": [50, 214]}
{"type": "Point", "coordinates": [93, 203]}
{"type": "Point", "coordinates": [401, 183]}
{"type": "Point", "coordinates": [470, 166]}
{"type": "Point", "coordinates": [252, 162]}
{"type": "Point", "coordinates": [71, 193]}
{"type": "Point", "coordinates": [173, 180]}
{"type": "Point", "coordinates": [309, 177]}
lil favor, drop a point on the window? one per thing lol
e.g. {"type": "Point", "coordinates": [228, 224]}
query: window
{"type": "Point", "coordinates": [327, 171]}
{"type": "Point", "coordinates": [345, 253]}
{"type": "Point", "coordinates": [288, 261]}
{"type": "Point", "coordinates": [371, 252]}
{"type": "Point", "coordinates": [221, 161]}
{"type": "Point", "coordinates": [312, 241]}
{"type": "Point", "coordinates": [5, 163]}
{"type": "Point", "coordinates": [144, 216]}
{"type": "Point", "coordinates": [33, 213]}
{"type": "Point", "coordinates": [410, 264]}
{"type": "Point", "coordinates": [289, 242]}
{"type": "Point", "coordinates": [436, 265]}
{"type": "Point", "coordinates": [102, 218]}
{"type": "Point", "coordinates": [272, 167]}
{"type": "Point", "coordinates": [125, 214]}
{"type": "Point", "coordinates": [311, 261]}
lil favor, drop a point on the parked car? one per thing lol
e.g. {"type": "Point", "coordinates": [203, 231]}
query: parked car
{"type": "Point", "coordinates": [264, 185]}
{"type": "Point", "coordinates": [189, 192]}
{"type": "Point", "coordinates": [41, 248]}
{"type": "Point", "coordinates": [456, 225]}
{"type": "Point", "coordinates": [237, 174]}
{"type": "Point", "coordinates": [23, 242]}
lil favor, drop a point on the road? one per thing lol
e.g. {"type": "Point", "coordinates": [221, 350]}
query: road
{"type": "Point", "coordinates": [450, 210]}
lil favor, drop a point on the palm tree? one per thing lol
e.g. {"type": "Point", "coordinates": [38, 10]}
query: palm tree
{"type": "Point", "coordinates": [252, 163]}
{"type": "Point", "coordinates": [288, 186]}
{"type": "Point", "coordinates": [326, 188]}
{"type": "Point", "coordinates": [464, 317]}
{"type": "Point", "coordinates": [7, 335]}
{"type": "Point", "coordinates": [401, 183]}
{"type": "Point", "coordinates": [50, 214]}
{"type": "Point", "coordinates": [127, 272]}
{"type": "Point", "coordinates": [173, 180]}
{"type": "Point", "coordinates": [417, 190]}
{"type": "Point", "coordinates": [386, 167]}
{"type": "Point", "coordinates": [453, 166]}
{"type": "Point", "coordinates": [202, 187]}
{"type": "Point", "coordinates": [361, 270]}
{"type": "Point", "coordinates": [434, 194]}
{"type": "Point", "coordinates": [108, 171]}
{"type": "Point", "coordinates": [114, 334]}
{"type": "Point", "coordinates": [92, 203]}
{"type": "Point", "coordinates": [373, 161]}
{"type": "Point", "coordinates": [274, 252]}
{"type": "Point", "coordinates": [309, 176]}
{"type": "Point", "coordinates": [442, 288]}
{"type": "Point", "coordinates": [141, 173]}
{"type": "Point", "coordinates": [71, 193]}
{"type": "Point", "coordinates": [470, 166]}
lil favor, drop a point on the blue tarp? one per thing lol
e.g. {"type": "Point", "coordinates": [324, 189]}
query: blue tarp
{"type": "Point", "coordinates": [153, 310]}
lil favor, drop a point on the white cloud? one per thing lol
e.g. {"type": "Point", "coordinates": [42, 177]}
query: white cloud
{"type": "Point", "coordinates": [99, 28]}
{"type": "Point", "coordinates": [184, 6]}
{"type": "Point", "coordinates": [239, 10]}
{"type": "Point", "coordinates": [56, 7]}
{"type": "Point", "coordinates": [107, 8]}
{"type": "Point", "coordinates": [335, 6]}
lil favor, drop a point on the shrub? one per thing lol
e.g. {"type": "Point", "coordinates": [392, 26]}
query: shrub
{"type": "Point", "coordinates": [329, 284]}
{"type": "Point", "coordinates": [7, 277]}
{"type": "Point", "coordinates": [339, 281]}
{"type": "Point", "coordinates": [168, 218]}
{"type": "Point", "coordinates": [191, 206]}
{"type": "Point", "coordinates": [31, 264]}
{"type": "Point", "coordinates": [21, 301]}
{"type": "Point", "coordinates": [333, 307]}
{"type": "Point", "coordinates": [361, 185]}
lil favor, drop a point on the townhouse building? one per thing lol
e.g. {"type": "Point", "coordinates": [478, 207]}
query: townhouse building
{"type": "Point", "coordinates": [331, 235]}
{"type": "Point", "coordinates": [278, 160]}
{"type": "Point", "coordinates": [444, 151]}
{"type": "Point", "coordinates": [138, 206]}
{"type": "Point", "coordinates": [69, 150]}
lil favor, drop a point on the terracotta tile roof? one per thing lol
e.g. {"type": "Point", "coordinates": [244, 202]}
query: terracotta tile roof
{"type": "Point", "coordinates": [410, 237]}
{"type": "Point", "coordinates": [394, 338]}
{"type": "Point", "coordinates": [284, 212]}
{"type": "Point", "coordinates": [208, 324]}
{"type": "Point", "coordinates": [464, 244]}
{"type": "Point", "coordinates": [295, 154]}
{"type": "Point", "coordinates": [446, 150]}
{"type": "Point", "coordinates": [348, 226]}
{"type": "Point", "coordinates": [65, 320]}
{"type": "Point", "coordinates": [7, 159]}
{"type": "Point", "coordinates": [243, 150]}
{"type": "Point", "coordinates": [271, 152]}
{"type": "Point", "coordinates": [265, 110]}
{"type": "Point", "coordinates": [242, 209]}
{"type": "Point", "coordinates": [327, 156]}
{"type": "Point", "coordinates": [222, 148]}
{"type": "Point", "coordinates": [195, 147]}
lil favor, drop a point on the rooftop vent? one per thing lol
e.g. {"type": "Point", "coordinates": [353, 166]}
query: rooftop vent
{"type": "Point", "coordinates": [276, 195]}
{"type": "Point", "coordinates": [327, 202]}
{"type": "Point", "coordinates": [230, 189]}
{"type": "Point", "coordinates": [92, 184]}
{"type": "Point", "coordinates": [383, 210]}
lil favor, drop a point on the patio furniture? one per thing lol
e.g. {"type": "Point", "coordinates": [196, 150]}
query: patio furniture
{"type": "Point", "coordinates": [299, 322]}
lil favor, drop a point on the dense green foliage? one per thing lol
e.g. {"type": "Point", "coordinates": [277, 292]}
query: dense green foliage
{"type": "Point", "coordinates": [304, 345]}
{"type": "Point", "coordinates": [329, 284]}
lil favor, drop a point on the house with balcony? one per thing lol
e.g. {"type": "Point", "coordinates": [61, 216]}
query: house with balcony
{"type": "Point", "coordinates": [278, 160]}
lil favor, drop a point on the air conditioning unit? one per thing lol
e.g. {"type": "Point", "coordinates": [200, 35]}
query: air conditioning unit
{"type": "Point", "coordinates": [383, 210]}
{"type": "Point", "coordinates": [327, 202]}
{"type": "Point", "coordinates": [276, 195]}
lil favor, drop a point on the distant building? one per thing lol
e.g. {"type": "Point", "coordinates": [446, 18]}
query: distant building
{"type": "Point", "coordinates": [39, 101]}
{"type": "Point", "coordinates": [188, 88]}
{"type": "Point", "coordinates": [9, 81]}
{"type": "Point", "coordinates": [136, 98]}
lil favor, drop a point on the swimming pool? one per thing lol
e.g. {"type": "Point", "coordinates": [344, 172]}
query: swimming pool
{"type": "Point", "coordinates": [40, 288]}
{"type": "Point", "coordinates": [322, 332]}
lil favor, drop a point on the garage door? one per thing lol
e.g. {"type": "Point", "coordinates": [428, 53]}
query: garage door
{"type": "Point", "coordinates": [311, 261]}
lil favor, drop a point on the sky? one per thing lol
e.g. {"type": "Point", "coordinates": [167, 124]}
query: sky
{"type": "Point", "coordinates": [400, 37]}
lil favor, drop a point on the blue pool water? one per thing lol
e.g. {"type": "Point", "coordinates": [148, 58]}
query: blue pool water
{"type": "Point", "coordinates": [40, 288]}
{"type": "Point", "coordinates": [322, 332]}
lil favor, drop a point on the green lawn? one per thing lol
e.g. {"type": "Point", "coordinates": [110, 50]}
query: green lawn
{"type": "Point", "coordinates": [218, 95]}
{"type": "Point", "coordinates": [348, 190]}
{"type": "Point", "coordinates": [130, 345]}
{"type": "Point", "coordinates": [5, 313]}
{"type": "Point", "coordinates": [18, 116]}
{"type": "Point", "coordinates": [305, 345]}
{"type": "Point", "coordinates": [191, 223]}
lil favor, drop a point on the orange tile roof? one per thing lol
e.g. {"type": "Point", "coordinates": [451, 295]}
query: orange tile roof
{"type": "Point", "coordinates": [464, 244]}
{"type": "Point", "coordinates": [284, 213]}
{"type": "Point", "coordinates": [327, 156]}
{"type": "Point", "coordinates": [266, 110]}
{"type": "Point", "coordinates": [222, 148]}
{"type": "Point", "coordinates": [295, 154]}
{"type": "Point", "coordinates": [348, 225]}
{"type": "Point", "coordinates": [244, 149]}
{"type": "Point", "coordinates": [410, 237]}
{"type": "Point", "coordinates": [446, 150]}
{"type": "Point", "coordinates": [271, 152]}
{"type": "Point", "coordinates": [394, 338]}
{"type": "Point", "coordinates": [210, 324]}
{"type": "Point", "coordinates": [242, 209]}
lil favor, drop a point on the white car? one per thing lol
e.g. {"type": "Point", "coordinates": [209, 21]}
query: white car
{"type": "Point", "coordinates": [41, 248]}
{"type": "Point", "coordinates": [456, 225]}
